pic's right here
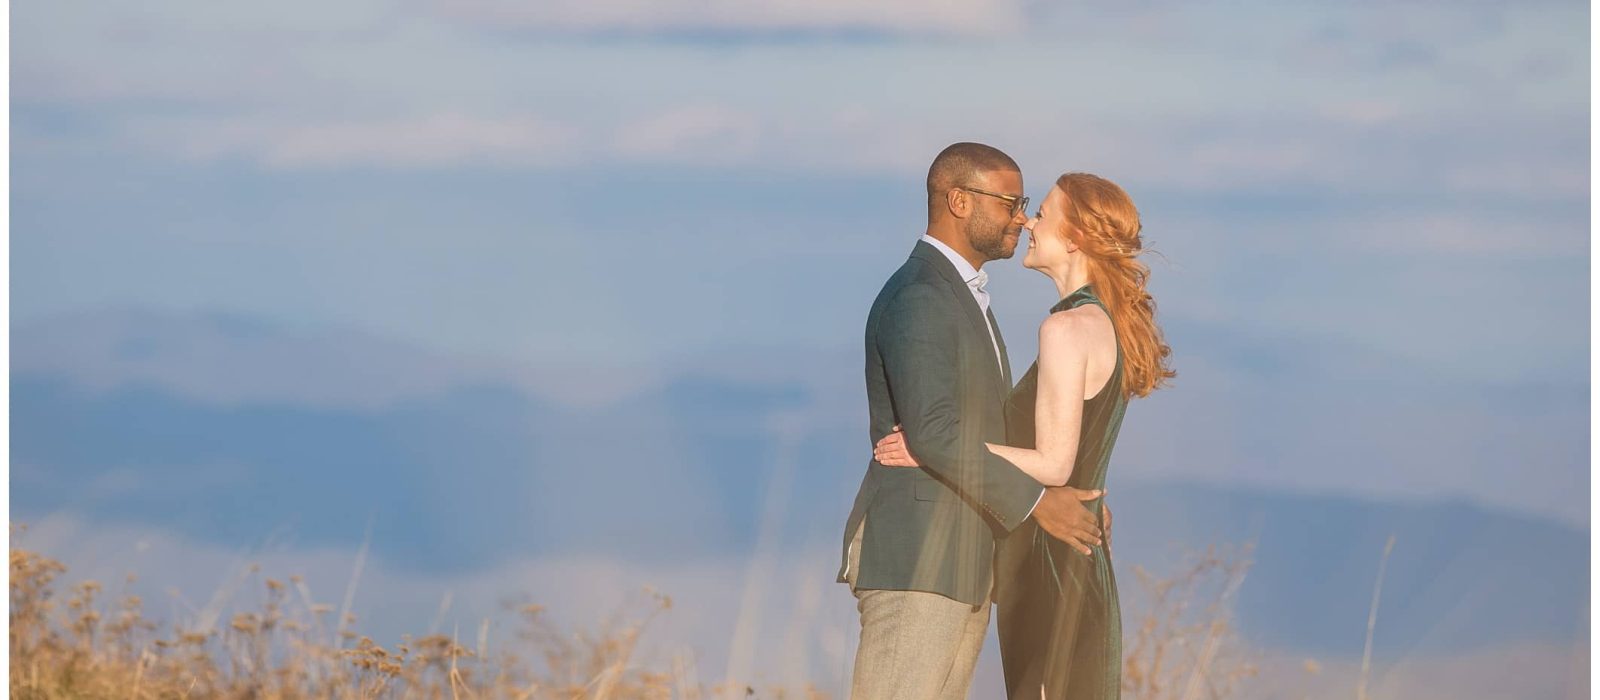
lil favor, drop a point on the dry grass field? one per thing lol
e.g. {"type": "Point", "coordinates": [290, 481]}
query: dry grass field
{"type": "Point", "coordinates": [1182, 646]}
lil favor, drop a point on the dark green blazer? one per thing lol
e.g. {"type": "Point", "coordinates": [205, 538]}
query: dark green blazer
{"type": "Point", "coordinates": [932, 368]}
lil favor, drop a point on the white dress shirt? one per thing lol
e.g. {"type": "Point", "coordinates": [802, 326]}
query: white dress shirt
{"type": "Point", "coordinates": [976, 280]}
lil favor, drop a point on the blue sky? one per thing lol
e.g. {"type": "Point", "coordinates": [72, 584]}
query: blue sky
{"type": "Point", "coordinates": [611, 189]}
{"type": "Point", "coordinates": [1373, 221]}
{"type": "Point", "coordinates": [1433, 152]}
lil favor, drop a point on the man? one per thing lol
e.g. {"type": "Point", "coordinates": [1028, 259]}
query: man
{"type": "Point", "coordinates": [919, 543]}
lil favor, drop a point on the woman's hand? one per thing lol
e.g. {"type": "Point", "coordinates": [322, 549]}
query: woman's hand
{"type": "Point", "coordinates": [891, 451]}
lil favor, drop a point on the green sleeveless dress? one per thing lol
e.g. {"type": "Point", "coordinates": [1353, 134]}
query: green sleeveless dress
{"type": "Point", "coordinates": [1057, 613]}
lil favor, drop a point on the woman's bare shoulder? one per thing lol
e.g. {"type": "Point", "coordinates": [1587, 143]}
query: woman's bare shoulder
{"type": "Point", "coordinates": [1078, 322]}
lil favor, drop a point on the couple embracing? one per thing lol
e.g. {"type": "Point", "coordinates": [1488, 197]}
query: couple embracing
{"type": "Point", "coordinates": [982, 492]}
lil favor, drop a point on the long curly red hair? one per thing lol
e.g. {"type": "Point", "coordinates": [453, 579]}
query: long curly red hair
{"type": "Point", "coordinates": [1104, 223]}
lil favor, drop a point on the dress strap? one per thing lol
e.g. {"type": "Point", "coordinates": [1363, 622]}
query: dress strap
{"type": "Point", "coordinates": [1085, 295]}
{"type": "Point", "coordinates": [1079, 297]}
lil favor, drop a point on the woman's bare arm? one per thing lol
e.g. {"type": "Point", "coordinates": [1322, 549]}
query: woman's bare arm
{"type": "Point", "coordinates": [1064, 346]}
{"type": "Point", "coordinates": [1058, 417]}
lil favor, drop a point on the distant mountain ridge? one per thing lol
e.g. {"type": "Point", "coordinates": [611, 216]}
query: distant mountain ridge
{"type": "Point", "coordinates": [481, 470]}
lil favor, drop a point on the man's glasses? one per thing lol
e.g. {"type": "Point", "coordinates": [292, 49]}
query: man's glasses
{"type": "Point", "coordinates": [1018, 204]}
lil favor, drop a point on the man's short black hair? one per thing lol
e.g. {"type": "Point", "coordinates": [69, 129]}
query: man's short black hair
{"type": "Point", "coordinates": [959, 164]}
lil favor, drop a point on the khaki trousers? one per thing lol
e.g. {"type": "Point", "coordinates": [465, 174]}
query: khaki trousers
{"type": "Point", "coordinates": [915, 645]}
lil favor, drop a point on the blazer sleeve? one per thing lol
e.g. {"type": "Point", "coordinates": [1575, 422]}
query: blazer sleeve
{"type": "Point", "coordinates": [917, 338]}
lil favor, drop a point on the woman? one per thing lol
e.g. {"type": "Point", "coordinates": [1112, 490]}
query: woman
{"type": "Point", "coordinates": [1058, 620]}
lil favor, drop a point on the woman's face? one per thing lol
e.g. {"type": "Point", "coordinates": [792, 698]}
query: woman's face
{"type": "Point", "coordinates": [1048, 245]}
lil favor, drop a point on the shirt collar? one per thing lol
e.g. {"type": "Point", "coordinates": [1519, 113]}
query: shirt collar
{"type": "Point", "coordinates": [965, 269]}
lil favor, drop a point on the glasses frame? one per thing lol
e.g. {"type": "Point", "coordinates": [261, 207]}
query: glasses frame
{"type": "Point", "coordinates": [1019, 203]}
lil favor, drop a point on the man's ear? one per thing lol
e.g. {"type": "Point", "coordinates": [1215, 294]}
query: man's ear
{"type": "Point", "coordinates": [959, 202]}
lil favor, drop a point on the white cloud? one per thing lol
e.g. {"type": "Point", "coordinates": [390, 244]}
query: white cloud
{"type": "Point", "coordinates": [1346, 148]}
{"type": "Point", "coordinates": [443, 139]}
{"type": "Point", "coordinates": [706, 134]}
{"type": "Point", "coordinates": [1474, 232]}
{"type": "Point", "coordinates": [896, 17]}
{"type": "Point", "coordinates": [1543, 177]}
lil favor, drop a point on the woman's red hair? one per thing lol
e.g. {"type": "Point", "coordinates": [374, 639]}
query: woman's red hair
{"type": "Point", "coordinates": [1102, 220]}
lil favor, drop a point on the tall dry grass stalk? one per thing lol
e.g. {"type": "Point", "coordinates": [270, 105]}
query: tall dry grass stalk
{"type": "Point", "coordinates": [1185, 645]}
{"type": "Point", "coordinates": [1372, 621]}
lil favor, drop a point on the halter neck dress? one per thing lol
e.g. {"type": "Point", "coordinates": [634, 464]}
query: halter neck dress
{"type": "Point", "coordinates": [1057, 611]}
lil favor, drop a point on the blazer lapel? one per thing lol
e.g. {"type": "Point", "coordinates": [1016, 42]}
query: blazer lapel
{"type": "Point", "coordinates": [1005, 358]}
{"type": "Point", "coordinates": [968, 304]}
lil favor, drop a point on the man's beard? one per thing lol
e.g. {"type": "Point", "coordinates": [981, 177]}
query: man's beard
{"type": "Point", "coordinates": [988, 237]}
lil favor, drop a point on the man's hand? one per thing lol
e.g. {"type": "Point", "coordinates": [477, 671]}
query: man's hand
{"type": "Point", "coordinates": [1062, 514]}
{"type": "Point", "coordinates": [1107, 510]}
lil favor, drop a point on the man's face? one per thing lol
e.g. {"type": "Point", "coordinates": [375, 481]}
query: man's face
{"type": "Point", "coordinates": [992, 229]}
